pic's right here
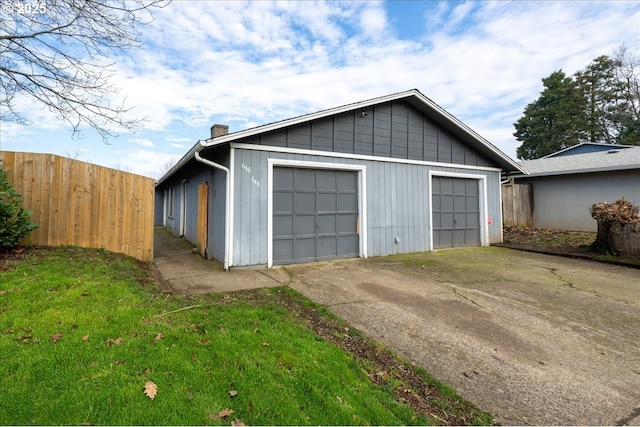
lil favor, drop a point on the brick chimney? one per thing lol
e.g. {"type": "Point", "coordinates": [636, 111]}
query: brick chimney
{"type": "Point", "coordinates": [219, 130]}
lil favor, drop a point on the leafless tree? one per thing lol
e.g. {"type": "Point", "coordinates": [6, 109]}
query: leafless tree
{"type": "Point", "coordinates": [628, 73]}
{"type": "Point", "coordinates": [59, 54]}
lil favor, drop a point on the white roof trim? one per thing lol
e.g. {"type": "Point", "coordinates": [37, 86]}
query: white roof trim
{"type": "Point", "coordinates": [358, 157]}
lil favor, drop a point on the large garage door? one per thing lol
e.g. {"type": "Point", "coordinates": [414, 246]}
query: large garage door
{"type": "Point", "coordinates": [456, 212]}
{"type": "Point", "coordinates": [315, 214]}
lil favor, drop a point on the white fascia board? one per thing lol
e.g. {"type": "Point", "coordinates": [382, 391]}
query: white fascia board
{"type": "Point", "coordinates": [358, 157]}
{"type": "Point", "coordinates": [187, 157]}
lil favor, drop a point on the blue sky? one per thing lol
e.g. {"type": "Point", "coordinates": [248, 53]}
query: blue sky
{"type": "Point", "coordinates": [250, 63]}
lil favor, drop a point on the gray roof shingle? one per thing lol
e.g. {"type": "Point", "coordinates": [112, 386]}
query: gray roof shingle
{"type": "Point", "coordinates": [612, 160]}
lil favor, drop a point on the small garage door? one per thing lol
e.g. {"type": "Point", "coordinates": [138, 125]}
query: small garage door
{"type": "Point", "coordinates": [456, 212]}
{"type": "Point", "coordinates": [315, 214]}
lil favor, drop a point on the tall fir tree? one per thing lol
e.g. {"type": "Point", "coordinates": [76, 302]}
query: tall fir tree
{"type": "Point", "coordinates": [598, 104]}
{"type": "Point", "coordinates": [554, 121]}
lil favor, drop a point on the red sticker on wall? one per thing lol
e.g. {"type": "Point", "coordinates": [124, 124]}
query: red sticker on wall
{"type": "Point", "coordinates": [490, 220]}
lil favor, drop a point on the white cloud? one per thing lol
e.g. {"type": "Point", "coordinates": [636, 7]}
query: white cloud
{"type": "Point", "coordinates": [141, 141]}
{"type": "Point", "coordinates": [373, 21]}
{"type": "Point", "coordinates": [250, 63]}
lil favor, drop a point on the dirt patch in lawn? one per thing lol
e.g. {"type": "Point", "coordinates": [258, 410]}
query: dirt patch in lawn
{"type": "Point", "coordinates": [559, 242]}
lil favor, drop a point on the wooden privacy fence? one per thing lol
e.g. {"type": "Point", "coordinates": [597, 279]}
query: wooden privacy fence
{"type": "Point", "coordinates": [517, 205]}
{"type": "Point", "coordinates": [82, 204]}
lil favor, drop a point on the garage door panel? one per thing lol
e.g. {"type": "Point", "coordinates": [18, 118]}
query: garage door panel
{"type": "Point", "coordinates": [283, 225]}
{"type": "Point", "coordinates": [326, 224]}
{"type": "Point", "coordinates": [283, 249]}
{"type": "Point", "coordinates": [347, 202]}
{"type": "Point", "coordinates": [326, 180]}
{"type": "Point", "coordinates": [446, 220]}
{"type": "Point", "coordinates": [283, 178]}
{"type": "Point", "coordinates": [282, 202]}
{"type": "Point", "coordinates": [326, 202]}
{"type": "Point", "coordinates": [327, 247]}
{"type": "Point", "coordinates": [346, 223]}
{"type": "Point", "coordinates": [459, 238]}
{"type": "Point", "coordinates": [304, 225]}
{"type": "Point", "coordinates": [348, 245]}
{"type": "Point", "coordinates": [317, 216]}
{"type": "Point", "coordinates": [347, 181]}
{"type": "Point", "coordinates": [304, 179]}
{"type": "Point", "coordinates": [446, 202]}
{"type": "Point", "coordinates": [446, 185]}
{"type": "Point", "coordinates": [304, 202]}
{"type": "Point", "coordinates": [472, 188]}
{"type": "Point", "coordinates": [459, 186]}
{"type": "Point", "coordinates": [304, 248]}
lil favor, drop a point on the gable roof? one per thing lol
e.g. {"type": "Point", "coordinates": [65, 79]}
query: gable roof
{"type": "Point", "coordinates": [414, 97]}
{"type": "Point", "coordinates": [603, 161]}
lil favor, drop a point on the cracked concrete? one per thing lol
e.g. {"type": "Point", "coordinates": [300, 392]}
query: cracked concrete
{"type": "Point", "coordinates": [533, 339]}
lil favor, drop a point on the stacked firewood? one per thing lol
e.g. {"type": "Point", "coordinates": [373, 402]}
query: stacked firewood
{"type": "Point", "coordinates": [622, 211]}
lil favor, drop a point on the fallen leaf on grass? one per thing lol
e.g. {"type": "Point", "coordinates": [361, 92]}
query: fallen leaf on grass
{"type": "Point", "coordinates": [111, 342]}
{"type": "Point", "coordinates": [160, 336]}
{"type": "Point", "coordinates": [150, 389]}
{"type": "Point", "coordinates": [233, 393]}
{"type": "Point", "coordinates": [265, 344]}
{"type": "Point", "coordinates": [222, 414]}
{"type": "Point", "coordinates": [85, 338]}
{"type": "Point", "coordinates": [56, 337]}
{"type": "Point", "coordinates": [237, 422]}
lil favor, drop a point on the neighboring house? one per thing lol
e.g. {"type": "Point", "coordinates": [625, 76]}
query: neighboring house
{"type": "Point", "coordinates": [394, 174]}
{"type": "Point", "coordinates": [566, 184]}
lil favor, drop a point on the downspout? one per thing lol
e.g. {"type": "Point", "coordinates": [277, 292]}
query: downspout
{"type": "Point", "coordinates": [227, 216]}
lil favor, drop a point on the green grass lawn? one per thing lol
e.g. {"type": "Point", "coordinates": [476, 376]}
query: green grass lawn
{"type": "Point", "coordinates": [82, 332]}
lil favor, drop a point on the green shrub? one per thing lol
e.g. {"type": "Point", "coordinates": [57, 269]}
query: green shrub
{"type": "Point", "coordinates": [15, 222]}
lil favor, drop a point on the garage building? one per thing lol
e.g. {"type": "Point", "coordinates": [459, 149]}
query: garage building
{"type": "Point", "coordinates": [394, 174]}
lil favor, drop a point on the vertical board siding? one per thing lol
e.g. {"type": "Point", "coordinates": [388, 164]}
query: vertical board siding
{"type": "Point", "coordinates": [85, 205]}
{"type": "Point", "coordinates": [395, 129]}
{"type": "Point", "coordinates": [398, 204]}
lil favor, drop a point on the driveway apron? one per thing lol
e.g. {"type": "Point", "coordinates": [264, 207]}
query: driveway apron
{"type": "Point", "coordinates": [531, 338]}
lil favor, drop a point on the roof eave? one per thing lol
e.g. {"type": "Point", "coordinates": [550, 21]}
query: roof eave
{"type": "Point", "coordinates": [578, 171]}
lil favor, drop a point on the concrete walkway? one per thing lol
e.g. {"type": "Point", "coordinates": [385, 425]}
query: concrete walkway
{"type": "Point", "coordinates": [183, 272]}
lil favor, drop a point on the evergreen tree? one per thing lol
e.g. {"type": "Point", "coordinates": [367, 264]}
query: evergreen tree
{"type": "Point", "coordinates": [598, 104]}
{"type": "Point", "coordinates": [606, 100]}
{"type": "Point", "coordinates": [15, 222]}
{"type": "Point", "coordinates": [554, 121]}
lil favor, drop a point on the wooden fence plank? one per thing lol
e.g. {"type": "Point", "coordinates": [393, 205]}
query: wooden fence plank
{"type": "Point", "coordinates": [78, 203]}
{"type": "Point", "coordinates": [517, 205]}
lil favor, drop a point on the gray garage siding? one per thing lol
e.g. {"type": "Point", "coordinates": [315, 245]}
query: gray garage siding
{"type": "Point", "coordinates": [395, 130]}
{"type": "Point", "coordinates": [397, 195]}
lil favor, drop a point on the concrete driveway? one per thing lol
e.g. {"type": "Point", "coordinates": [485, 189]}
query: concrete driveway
{"type": "Point", "coordinates": [531, 338]}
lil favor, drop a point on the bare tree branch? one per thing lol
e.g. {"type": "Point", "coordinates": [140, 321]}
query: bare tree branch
{"type": "Point", "coordinates": [57, 55]}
